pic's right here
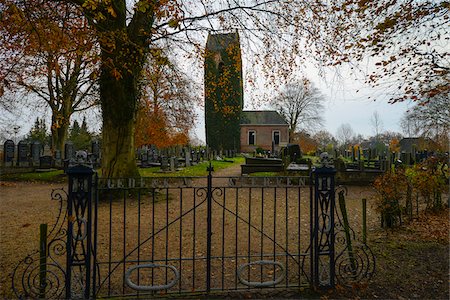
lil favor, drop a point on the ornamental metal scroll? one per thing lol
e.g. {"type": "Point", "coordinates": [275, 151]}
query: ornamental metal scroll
{"type": "Point", "coordinates": [80, 209]}
{"type": "Point", "coordinates": [355, 261]}
{"type": "Point", "coordinates": [264, 283]}
{"type": "Point", "coordinates": [43, 276]}
{"type": "Point", "coordinates": [151, 287]}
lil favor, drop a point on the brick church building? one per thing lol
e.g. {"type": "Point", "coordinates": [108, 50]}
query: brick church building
{"type": "Point", "coordinates": [228, 126]}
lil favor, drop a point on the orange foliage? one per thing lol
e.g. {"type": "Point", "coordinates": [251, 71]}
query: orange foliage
{"type": "Point", "coordinates": [307, 144]}
{"type": "Point", "coordinates": [153, 128]}
{"type": "Point", "coordinates": [394, 145]}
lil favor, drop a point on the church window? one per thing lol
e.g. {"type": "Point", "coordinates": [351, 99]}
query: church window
{"type": "Point", "coordinates": [276, 137]}
{"type": "Point", "coordinates": [251, 137]}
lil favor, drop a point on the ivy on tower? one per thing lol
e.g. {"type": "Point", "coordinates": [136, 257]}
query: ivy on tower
{"type": "Point", "coordinates": [223, 91]}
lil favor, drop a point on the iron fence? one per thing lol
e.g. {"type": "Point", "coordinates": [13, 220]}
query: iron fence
{"type": "Point", "coordinates": [152, 237]}
{"type": "Point", "coordinates": [201, 235]}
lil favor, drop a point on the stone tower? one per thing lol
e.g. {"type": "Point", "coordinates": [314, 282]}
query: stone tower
{"type": "Point", "coordinates": [223, 91]}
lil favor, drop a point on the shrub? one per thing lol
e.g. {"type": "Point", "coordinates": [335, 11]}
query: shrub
{"type": "Point", "coordinates": [391, 189]}
{"type": "Point", "coordinates": [429, 180]}
{"type": "Point", "coordinates": [394, 190]}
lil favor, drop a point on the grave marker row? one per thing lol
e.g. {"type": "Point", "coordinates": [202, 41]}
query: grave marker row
{"type": "Point", "coordinates": [31, 154]}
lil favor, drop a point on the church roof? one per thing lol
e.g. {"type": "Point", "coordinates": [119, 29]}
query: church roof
{"type": "Point", "coordinates": [262, 117]}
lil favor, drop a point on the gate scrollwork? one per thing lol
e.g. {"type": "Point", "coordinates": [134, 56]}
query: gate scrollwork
{"type": "Point", "coordinates": [39, 276]}
{"type": "Point", "coordinates": [355, 261]}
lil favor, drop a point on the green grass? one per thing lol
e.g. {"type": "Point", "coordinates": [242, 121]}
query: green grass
{"type": "Point", "coordinates": [51, 176]}
{"type": "Point", "coordinates": [314, 159]}
{"type": "Point", "coordinates": [265, 174]}
{"type": "Point", "coordinates": [193, 171]}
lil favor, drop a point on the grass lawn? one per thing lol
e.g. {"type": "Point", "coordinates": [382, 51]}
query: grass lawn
{"type": "Point", "coordinates": [50, 176]}
{"type": "Point", "coordinates": [57, 176]}
{"type": "Point", "coordinates": [192, 171]}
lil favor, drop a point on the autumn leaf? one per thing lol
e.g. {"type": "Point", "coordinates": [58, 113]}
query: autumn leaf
{"type": "Point", "coordinates": [173, 23]}
{"type": "Point", "coordinates": [112, 11]}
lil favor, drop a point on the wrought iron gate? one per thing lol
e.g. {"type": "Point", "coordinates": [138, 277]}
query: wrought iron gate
{"type": "Point", "coordinates": [159, 236]}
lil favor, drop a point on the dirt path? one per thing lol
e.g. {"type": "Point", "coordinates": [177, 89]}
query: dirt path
{"type": "Point", "coordinates": [403, 265]}
{"type": "Point", "coordinates": [235, 170]}
{"type": "Point", "coordinates": [24, 206]}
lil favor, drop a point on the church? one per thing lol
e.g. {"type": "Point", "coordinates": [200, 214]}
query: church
{"type": "Point", "coordinates": [228, 126]}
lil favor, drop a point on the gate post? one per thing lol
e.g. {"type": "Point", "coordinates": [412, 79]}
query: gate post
{"type": "Point", "coordinates": [79, 231]}
{"type": "Point", "coordinates": [210, 169]}
{"type": "Point", "coordinates": [322, 225]}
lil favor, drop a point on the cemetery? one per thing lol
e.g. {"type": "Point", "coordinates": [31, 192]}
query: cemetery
{"type": "Point", "coordinates": [163, 166]}
{"type": "Point", "coordinates": [248, 200]}
{"type": "Point", "coordinates": [205, 149]}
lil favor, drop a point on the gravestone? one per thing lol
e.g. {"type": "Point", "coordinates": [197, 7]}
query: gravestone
{"type": "Point", "coordinates": [187, 158]}
{"type": "Point", "coordinates": [202, 154]}
{"type": "Point", "coordinates": [69, 151]}
{"type": "Point", "coordinates": [172, 164]}
{"type": "Point", "coordinates": [47, 150]}
{"type": "Point", "coordinates": [23, 154]}
{"type": "Point", "coordinates": [155, 155]}
{"type": "Point", "coordinates": [196, 157]}
{"type": "Point", "coordinates": [58, 159]}
{"type": "Point", "coordinates": [58, 154]}
{"type": "Point", "coordinates": [164, 163]}
{"type": "Point", "coordinates": [95, 150]}
{"type": "Point", "coordinates": [36, 151]}
{"type": "Point", "coordinates": [8, 150]}
{"type": "Point", "coordinates": [46, 162]}
{"type": "Point", "coordinates": [144, 158]}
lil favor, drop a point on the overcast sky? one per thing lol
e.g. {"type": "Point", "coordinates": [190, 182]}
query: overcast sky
{"type": "Point", "coordinates": [343, 103]}
{"type": "Point", "coordinates": [347, 101]}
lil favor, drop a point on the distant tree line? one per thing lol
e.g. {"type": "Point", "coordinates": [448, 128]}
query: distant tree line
{"type": "Point", "coordinates": [80, 136]}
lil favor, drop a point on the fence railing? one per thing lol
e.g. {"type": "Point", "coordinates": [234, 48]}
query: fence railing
{"type": "Point", "coordinates": [157, 236]}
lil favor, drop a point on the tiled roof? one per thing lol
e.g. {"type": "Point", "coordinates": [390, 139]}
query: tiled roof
{"type": "Point", "coordinates": [262, 117]}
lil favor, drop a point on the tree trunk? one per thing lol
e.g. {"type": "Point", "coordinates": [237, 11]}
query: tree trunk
{"type": "Point", "coordinates": [118, 158]}
{"type": "Point", "coordinates": [123, 51]}
{"type": "Point", "coordinates": [59, 129]}
{"type": "Point", "coordinates": [119, 96]}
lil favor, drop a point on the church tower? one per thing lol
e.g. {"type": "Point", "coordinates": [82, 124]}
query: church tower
{"type": "Point", "coordinates": [223, 91]}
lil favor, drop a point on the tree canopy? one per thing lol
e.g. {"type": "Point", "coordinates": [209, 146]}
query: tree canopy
{"type": "Point", "coordinates": [405, 43]}
{"type": "Point", "coordinates": [431, 120]}
{"type": "Point", "coordinates": [48, 51]}
{"type": "Point", "coordinates": [405, 40]}
{"type": "Point", "coordinates": [166, 109]}
{"type": "Point", "coordinates": [301, 104]}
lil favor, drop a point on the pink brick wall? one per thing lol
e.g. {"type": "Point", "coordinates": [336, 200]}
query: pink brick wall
{"type": "Point", "coordinates": [263, 136]}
